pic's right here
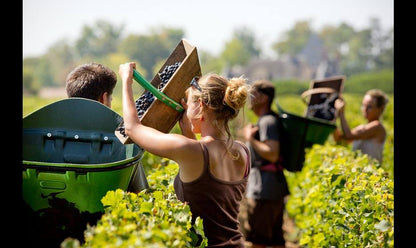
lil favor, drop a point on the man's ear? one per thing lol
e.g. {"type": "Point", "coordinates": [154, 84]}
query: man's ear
{"type": "Point", "coordinates": [105, 99]}
{"type": "Point", "coordinates": [101, 98]}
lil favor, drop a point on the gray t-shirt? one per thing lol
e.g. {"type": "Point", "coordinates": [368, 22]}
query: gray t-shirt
{"type": "Point", "coordinates": [267, 131]}
{"type": "Point", "coordinates": [265, 184]}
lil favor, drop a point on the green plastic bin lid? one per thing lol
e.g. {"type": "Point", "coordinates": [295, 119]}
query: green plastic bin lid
{"type": "Point", "coordinates": [74, 113]}
{"type": "Point", "coordinates": [75, 132]}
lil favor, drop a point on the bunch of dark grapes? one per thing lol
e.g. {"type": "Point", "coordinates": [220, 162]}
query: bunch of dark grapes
{"type": "Point", "coordinates": [143, 103]}
{"type": "Point", "coordinates": [167, 73]}
{"type": "Point", "coordinates": [146, 99]}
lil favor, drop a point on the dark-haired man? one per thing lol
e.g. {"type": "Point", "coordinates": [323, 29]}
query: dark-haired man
{"type": "Point", "coordinates": [267, 186]}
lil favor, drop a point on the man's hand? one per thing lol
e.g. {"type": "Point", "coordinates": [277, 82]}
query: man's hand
{"type": "Point", "coordinates": [249, 132]}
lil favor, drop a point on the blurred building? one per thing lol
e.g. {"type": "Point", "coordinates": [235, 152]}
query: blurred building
{"type": "Point", "coordinates": [311, 63]}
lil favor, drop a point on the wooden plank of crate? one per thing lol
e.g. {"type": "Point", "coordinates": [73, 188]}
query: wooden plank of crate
{"type": "Point", "coordinates": [159, 115]}
{"type": "Point", "coordinates": [336, 83]}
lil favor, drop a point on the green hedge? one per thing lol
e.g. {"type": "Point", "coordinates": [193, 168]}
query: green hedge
{"type": "Point", "coordinates": [360, 83]}
{"type": "Point", "coordinates": [341, 198]}
{"type": "Point", "coordinates": [357, 83]}
{"type": "Point", "coordinates": [151, 218]}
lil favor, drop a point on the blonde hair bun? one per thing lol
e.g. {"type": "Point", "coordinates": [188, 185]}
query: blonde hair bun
{"type": "Point", "coordinates": [236, 93]}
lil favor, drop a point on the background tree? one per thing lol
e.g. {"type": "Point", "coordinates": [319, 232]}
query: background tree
{"type": "Point", "coordinates": [60, 59]}
{"type": "Point", "coordinates": [41, 72]}
{"type": "Point", "coordinates": [30, 87]}
{"type": "Point", "coordinates": [358, 56]}
{"type": "Point", "coordinates": [99, 40]}
{"type": "Point", "coordinates": [382, 46]}
{"type": "Point", "coordinates": [210, 63]}
{"type": "Point", "coordinates": [248, 38]}
{"type": "Point", "coordinates": [355, 51]}
{"type": "Point", "coordinates": [241, 48]}
{"type": "Point", "coordinates": [336, 40]}
{"type": "Point", "coordinates": [149, 49]}
{"type": "Point", "coordinates": [294, 40]}
{"type": "Point", "coordinates": [234, 53]}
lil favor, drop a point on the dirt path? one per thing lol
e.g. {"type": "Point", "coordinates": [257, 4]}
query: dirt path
{"type": "Point", "coordinates": [291, 232]}
{"type": "Point", "coordinates": [289, 228]}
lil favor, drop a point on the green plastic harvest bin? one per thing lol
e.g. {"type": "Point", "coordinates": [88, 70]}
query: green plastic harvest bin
{"type": "Point", "coordinates": [71, 158]}
{"type": "Point", "coordinates": [70, 151]}
{"type": "Point", "coordinates": [299, 133]}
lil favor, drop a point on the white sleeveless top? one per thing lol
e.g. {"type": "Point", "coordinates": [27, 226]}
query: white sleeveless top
{"type": "Point", "coordinates": [371, 147]}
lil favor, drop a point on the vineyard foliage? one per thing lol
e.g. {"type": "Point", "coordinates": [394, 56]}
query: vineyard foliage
{"type": "Point", "coordinates": [342, 198]}
{"type": "Point", "coordinates": [151, 218]}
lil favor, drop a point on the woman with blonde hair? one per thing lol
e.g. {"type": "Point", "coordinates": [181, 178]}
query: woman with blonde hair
{"type": "Point", "coordinates": [213, 170]}
{"type": "Point", "coordinates": [370, 137]}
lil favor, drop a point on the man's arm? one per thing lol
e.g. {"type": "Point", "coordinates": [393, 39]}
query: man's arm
{"type": "Point", "coordinates": [268, 149]}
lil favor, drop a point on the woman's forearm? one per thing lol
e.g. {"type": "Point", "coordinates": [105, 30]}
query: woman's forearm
{"type": "Point", "coordinates": [129, 109]}
{"type": "Point", "coordinates": [345, 127]}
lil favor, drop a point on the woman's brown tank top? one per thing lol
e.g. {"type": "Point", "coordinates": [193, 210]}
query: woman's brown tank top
{"type": "Point", "coordinates": [217, 202]}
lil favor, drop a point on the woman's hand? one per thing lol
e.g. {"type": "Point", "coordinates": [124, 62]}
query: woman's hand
{"type": "Point", "coordinates": [126, 72]}
{"type": "Point", "coordinates": [339, 106]}
{"type": "Point", "coordinates": [185, 123]}
{"type": "Point", "coordinates": [130, 117]}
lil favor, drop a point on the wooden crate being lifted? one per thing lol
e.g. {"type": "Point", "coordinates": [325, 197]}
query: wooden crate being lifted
{"type": "Point", "coordinates": [159, 115]}
{"type": "Point", "coordinates": [322, 95]}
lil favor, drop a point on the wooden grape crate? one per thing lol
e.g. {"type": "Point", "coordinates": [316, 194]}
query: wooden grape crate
{"type": "Point", "coordinates": [322, 95]}
{"type": "Point", "coordinates": [159, 115]}
{"type": "Point", "coordinates": [335, 82]}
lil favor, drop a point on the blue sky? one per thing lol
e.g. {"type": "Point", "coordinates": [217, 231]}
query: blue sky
{"type": "Point", "coordinates": [207, 24]}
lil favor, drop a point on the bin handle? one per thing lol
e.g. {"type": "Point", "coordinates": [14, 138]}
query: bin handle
{"type": "Point", "coordinates": [158, 94]}
{"type": "Point", "coordinates": [314, 91]}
